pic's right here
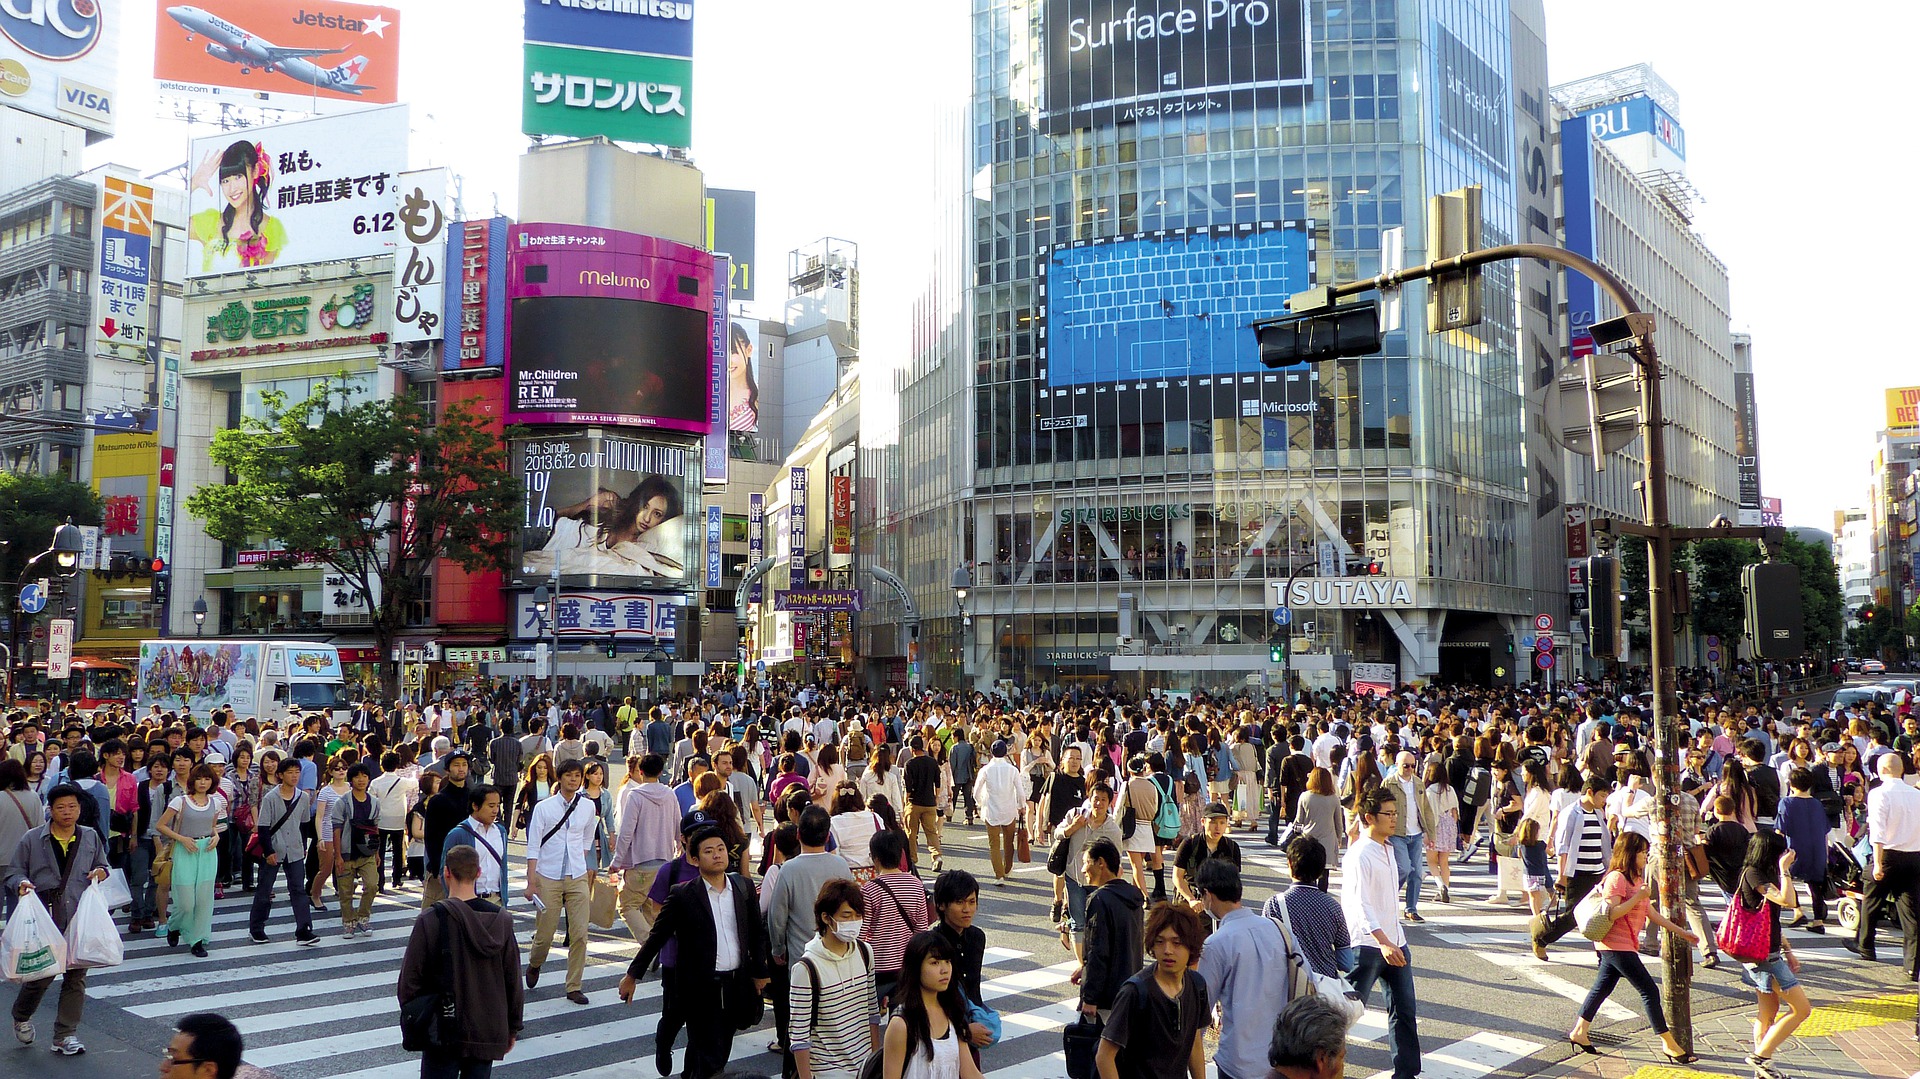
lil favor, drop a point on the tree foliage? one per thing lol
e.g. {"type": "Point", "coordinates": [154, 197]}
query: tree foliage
{"type": "Point", "coordinates": [1719, 605]}
{"type": "Point", "coordinates": [31, 507]}
{"type": "Point", "coordinates": [376, 490]}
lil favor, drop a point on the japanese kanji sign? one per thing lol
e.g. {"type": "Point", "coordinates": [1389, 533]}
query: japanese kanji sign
{"type": "Point", "coordinates": [420, 257]}
{"type": "Point", "coordinates": [121, 314]}
{"type": "Point", "coordinates": [628, 97]}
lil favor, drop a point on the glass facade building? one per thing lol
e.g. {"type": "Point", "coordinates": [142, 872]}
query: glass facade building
{"type": "Point", "coordinates": [1146, 179]}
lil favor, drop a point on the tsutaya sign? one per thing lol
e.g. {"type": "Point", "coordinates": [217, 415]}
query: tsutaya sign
{"type": "Point", "coordinates": [1343, 592]}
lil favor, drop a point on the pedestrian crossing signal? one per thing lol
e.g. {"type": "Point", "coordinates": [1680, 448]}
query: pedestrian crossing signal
{"type": "Point", "coordinates": [1277, 653]}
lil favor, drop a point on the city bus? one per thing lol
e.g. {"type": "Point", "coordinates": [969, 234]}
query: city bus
{"type": "Point", "coordinates": [94, 683]}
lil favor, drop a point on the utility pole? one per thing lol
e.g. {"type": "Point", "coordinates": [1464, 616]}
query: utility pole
{"type": "Point", "coordinates": [1319, 329]}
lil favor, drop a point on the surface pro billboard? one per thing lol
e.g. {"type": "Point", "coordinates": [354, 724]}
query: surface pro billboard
{"type": "Point", "coordinates": [608, 327]}
{"type": "Point", "coordinates": [1117, 61]}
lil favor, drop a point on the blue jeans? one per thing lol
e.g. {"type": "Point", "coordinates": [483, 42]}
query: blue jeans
{"type": "Point", "coordinates": [1076, 904]}
{"type": "Point", "coordinates": [1370, 965]}
{"type": "Point", "coordinates": [1410, 854]}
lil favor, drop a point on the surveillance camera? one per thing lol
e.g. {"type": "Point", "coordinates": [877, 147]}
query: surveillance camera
{"type": "Point", "coordinates": [1722, 521]}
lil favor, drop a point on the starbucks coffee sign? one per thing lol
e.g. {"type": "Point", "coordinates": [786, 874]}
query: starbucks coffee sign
{"type": "Point", "coordinates": [1346, 592]}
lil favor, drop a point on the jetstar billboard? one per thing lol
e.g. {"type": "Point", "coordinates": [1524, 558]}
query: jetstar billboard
{"type": "Point", "coordinates": [280, 54]}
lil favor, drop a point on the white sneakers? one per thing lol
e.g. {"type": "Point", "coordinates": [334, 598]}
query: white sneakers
{"type": "Point", "coordinates": [24, 1032]}
{"type": "Point", "coordinates": [68, 1046]}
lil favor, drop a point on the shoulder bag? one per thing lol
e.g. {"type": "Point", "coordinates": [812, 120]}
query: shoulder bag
{"type": "Point", "coordinates": [1591, 915]}
{"type": "Point", "coordinates": [431, 1020]}
{"type": "Point", "coordinates": [1303, 979]}
{"type": "Point", "coordinates": [1746, 935]}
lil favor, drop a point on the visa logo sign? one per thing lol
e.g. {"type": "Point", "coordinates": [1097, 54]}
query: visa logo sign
{"type": "Point", "coordinates": [82, 100]}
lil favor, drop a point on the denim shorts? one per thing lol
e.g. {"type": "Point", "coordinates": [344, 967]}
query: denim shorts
{"type": "Point", "coordinates": [1771, 975]}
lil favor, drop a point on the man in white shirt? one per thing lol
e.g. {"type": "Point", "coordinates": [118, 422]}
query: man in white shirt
{"type": "Point", "coordinates": [1893, 827]}
{"type": "Point", "coordinates": [1369, 882]}
{"type": "Point", "coordinates": [560, 873]}
{"type": "Point", "coordinates": [1002, 791]}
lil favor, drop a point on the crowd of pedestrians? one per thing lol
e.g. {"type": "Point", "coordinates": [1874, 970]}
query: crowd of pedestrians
{"type": "Point", "coordinates": [788, 849]}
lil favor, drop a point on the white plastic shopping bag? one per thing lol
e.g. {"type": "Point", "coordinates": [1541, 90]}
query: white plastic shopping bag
{"type": "Point", "coordinates": [32, 947]}
{"type": "Point", "coordinates": [114, 889]}
{"type": "Point", "coordinates": [92, 938]}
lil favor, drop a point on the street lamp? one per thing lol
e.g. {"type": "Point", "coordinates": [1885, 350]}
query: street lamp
{"type": "Point", "coordinates": [200, 616]}
{"type": "Point", "coordinates": [68, 542]}
{"type": "Point", "coordinates": [962, 582]}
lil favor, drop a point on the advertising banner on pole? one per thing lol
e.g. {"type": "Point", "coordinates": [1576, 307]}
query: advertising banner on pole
{"type": "Point", "coordinates": [797, 527]}
{"type": "Point", "coordinates": [286, 194]}
{"type": "Point", "coordinates": [841, 509]}
{"type": "Point", "coordinates": [60, 649]}
{"type": "Point", "coordinates": [61, 59]}
{"type": "Point", "coordinates": [279, 54]}
{"type": "Point", "coordinates": [122, 311]}
{"type": "Point", "coordinates": [1746, 446]}
{"type": "Point", "coordinates": [420, 257]}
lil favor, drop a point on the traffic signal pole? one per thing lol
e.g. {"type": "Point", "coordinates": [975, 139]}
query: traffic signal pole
{"type": "Point", "coordinates": [1669, 860]}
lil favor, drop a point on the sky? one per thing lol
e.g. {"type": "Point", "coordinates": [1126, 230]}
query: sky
{"type": "Point", "coordinates": [827, 109]}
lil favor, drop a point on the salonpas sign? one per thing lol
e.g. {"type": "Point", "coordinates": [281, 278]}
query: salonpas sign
{"type": "Point", "coordinates": [1359, 592]}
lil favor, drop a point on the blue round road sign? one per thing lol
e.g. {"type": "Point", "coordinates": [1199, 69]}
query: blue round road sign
{"type": "Point", "coordinates": [1283, 616]}
{"type": "Point", "coordinates": [33, 598]}
{"type": "Point", "coordinates": [1544, 661]}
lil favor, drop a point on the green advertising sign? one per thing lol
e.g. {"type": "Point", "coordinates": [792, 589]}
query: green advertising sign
{"type": "Point", "coordinates": [625, 96]}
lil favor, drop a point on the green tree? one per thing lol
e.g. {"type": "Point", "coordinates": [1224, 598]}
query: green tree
{"type": "Point", "coordinates": [1819, 592]}
{"type": "Point", "coordinates": [31, 507]}
{"type": "Point", "coordinates": [1633, 554]}
{"type": "Point", "coordinates": [377, 490]}
{"type": "Point", "coordinates": [1713, 579]}
{"type": "Point", "coordinates": [1877, 629]}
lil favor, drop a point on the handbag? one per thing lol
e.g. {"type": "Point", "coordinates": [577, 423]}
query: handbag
{"type": "Point", "coordinates": [1746, 935]}
{"type": "Point", "coordinates": [1303, 979]}
{"type": "Point", "coordinates": [1080, 1040]}
{"type": "Point", "coordinates": [1022, 844]}
{"type": "Point", "coordinates": [1057, 858]}
{"type": "Point", "coordinates": [431, 1020]}
{"type": "Point", "coordinates": [1592, 916]}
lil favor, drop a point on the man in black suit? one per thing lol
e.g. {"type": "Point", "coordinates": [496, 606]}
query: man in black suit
{"type": "Point", "coordinates": [723, 960]}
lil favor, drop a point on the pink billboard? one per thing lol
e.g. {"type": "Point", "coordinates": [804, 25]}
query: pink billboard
{"type": "Point", "coordinates": [608, 327]}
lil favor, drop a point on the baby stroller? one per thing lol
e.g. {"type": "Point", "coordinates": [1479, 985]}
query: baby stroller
{"type": "Point", "coordinates": [1846, 885]}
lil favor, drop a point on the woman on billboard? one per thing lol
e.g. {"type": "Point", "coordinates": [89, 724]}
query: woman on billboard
{"type": "Point", "coordinates": [742, 390]}
{"type": "Point", "coordinates": [238, 235]}
{"type": "Point", "coordinates": [616, 536]}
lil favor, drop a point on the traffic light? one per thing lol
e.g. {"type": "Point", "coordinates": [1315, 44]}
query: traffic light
{"type": "Point", "coordinates": [158, 587]}
{"type": "Point", "coordinates": [1277, 652]}
{"type": "Point", "coordinates": [1603, 607]}
{"type": "Point", "coordinates": [1776, 619]}
{"type": "Point", "coordinates": [613, 649]}
{"type": "Point", "coordinates": [1319, 333]}
{"type": "Point", "coordinates": [1453, 229]}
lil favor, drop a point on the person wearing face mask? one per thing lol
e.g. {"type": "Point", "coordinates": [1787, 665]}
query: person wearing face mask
{"type": "Point", "coordinates": [831, 1001]}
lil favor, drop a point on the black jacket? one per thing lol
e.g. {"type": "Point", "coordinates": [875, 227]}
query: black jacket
{"type": "Point", "coordinates": [444, 810]}
{"type": "Point", "coordinates": [1115, 919]}
{"type": "Point", "coordinates": [686, 917]}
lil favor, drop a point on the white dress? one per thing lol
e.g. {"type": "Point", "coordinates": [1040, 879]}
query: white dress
{"type": "Point", "coordinates": [944, 1065]}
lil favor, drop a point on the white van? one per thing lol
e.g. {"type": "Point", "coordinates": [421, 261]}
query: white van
{"type": "Point", "coordinates": [258, 679]}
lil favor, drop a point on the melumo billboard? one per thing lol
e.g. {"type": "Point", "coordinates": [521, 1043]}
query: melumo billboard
{"type": "Point", "coordinates": [607, 327]}
{"type": "Point", "coordinates": [1119, 61]}
{"type": "Point", "coordinates": [280, 54]}
{"type": "Point", "coordinates": [60, 59]}
{"type": "Point", "coordinates": [285, 194]}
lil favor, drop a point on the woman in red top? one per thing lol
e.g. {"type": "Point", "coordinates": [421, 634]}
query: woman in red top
{"type": "Point", "coordinates": [1628, 891]}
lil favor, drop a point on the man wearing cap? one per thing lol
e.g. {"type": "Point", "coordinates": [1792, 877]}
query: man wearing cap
{"type": "Point", "coordinates": [445, 809]}
{"type": "Point", "coordinates": [1001, 790]}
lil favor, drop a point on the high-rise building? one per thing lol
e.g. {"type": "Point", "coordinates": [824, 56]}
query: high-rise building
{"type": "Point", "coordinates": [1086, 428]}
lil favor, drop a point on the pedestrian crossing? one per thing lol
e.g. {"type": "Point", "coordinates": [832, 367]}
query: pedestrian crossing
{"type": "Point", "coordinates": [330, 1010]}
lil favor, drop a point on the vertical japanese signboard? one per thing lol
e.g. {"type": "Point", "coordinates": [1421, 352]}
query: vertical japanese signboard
{"type": "Point", "coordinates": [420, 257]}
{"type": "Point", "coordinates": [60, 649]}
{"type": "Point", "coordinates": [713, 545]}
{"type": "Point", "coordinates": [756, 537]}
{"type": "Point", "coordinates": [842, 519]}
{"type": "Point", "coordinates": [797, 527]}
{"type": "Point", "coordinates": [122, 312]}
{"type": "Point", "coordinates": [717, 376]}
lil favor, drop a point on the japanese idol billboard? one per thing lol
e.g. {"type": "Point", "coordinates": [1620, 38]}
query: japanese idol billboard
{"type": "Point", "coordinates": [286, 194]}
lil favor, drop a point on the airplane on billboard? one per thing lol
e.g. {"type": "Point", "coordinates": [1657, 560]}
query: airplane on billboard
{"type": "Point", "coordinates": [228, 42]}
